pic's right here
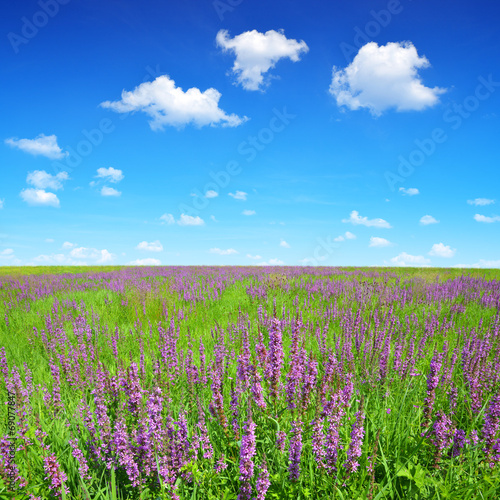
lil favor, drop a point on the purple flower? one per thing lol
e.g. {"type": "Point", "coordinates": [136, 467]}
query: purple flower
{"type": "Point", "coordinates": [247, 452]}
{"type": "Point", "coordinates": [354, 451]}
{"type": "Point", "coordinates": [56, 476]}
{"type": "Point", "coordinates": [280, 441]}
{"type": "Point", "coordinates": [263, 482]}
{"type": "Point", "coordinates": [295, 451]}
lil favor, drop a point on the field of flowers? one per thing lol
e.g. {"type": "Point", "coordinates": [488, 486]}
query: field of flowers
{"type": "Point", "coordinates": [250, 383]}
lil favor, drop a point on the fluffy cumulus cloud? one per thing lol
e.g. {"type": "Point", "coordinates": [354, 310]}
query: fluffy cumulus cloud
{"type": "Point", "coordinates": [272, 262]}
{"type": "Point", "coordinates": [485, 218]}
{"type": "Point", "coordinates": [405, 259]}
{"type": "Point", "coordinates": [385, 77]}
{"type": "Point", "coordinates": [39, 198]}
{"type": "Point", "coordinates": [239, 195]}
{"type": "Point", "coordinates": [346, 236]}
{"type": "Point", "coordinates": [99, 256]}
{"type": "Point", "coordinates": [249, 212]}
{"type": "Point", "coordinates": [375, 241]}
{"type": "Point", "coordinates": [167, 219]}
{"type": "Point", "coordinates": [480, 202]}
{"type": "Point", "coordinates": [42, 180]}
{"type": "Point", "coordinates": [154, 246]}
{"type": "Point", "coordinates": [43, 145]}
{"type": "Point", "coordinates": [189, 220]}
{"type": "Point", "coordinates": [167, 104]}
{"type": "Point", "coordinates": [441, 250]}
{"type": "Point", "coordinates": [211, 194]}
{"type": "Point", "coordinates": [409, 191]}
{"type": "Point", "coordinates": [145, 262]}
{"type": "Point", "coordinates": [68, 245]}
{"type": "Point", "coordinates": [358, 220]}
{"type": "Point", "coordinates": [284, 244]}
{"type": "Point", "coordinates": [219, 251]}
{"type": "Point", "coordinates": [256, 53]}
{"type": "Point", "coordinates": [110, 174]}
{"type": "Point", "coordinates": [109, 191]}
{"type": "Point", "coordinates": [428, 219]}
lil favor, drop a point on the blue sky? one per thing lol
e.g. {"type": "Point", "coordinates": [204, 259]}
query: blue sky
{"type": "Point", "coordinates": [248, 132]}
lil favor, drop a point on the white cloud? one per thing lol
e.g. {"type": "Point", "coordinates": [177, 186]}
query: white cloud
{"type": "Point", "coordinates": [7, 251]}
{"type": "Point", "coordinates": [239, 195]}
{"type": "Point", "coordinates": [145, 262]}
{"type": "Point", "coordinates": [284, 244]}
{"type": "Point", "coordinates": [339, 238]}
{"type": "Point", "coordinates": [485, 218]}
{"type": "Point", "coordinates": [480, 201]}
{"type": "Point", "coordinates": [349, 236]}
{"type": "Point", "coordinates": [1, 203]}
{"type": "Point", "coordinates": [100, 256]}
{"type": "Point", "coordinates": [307, 261]}
{"type": "Point", "coordinates": [39, 197]}
{"type": "Point", "coordinates": [441, 250]}
{"type": "Point", "coordinates": [428, 219]}
{"type": "Point", "coordinates": [44, 145]}
{"type": "Point", "coordinates": [49, 240]}
{"type": "Point", "coordinates": [211, 194]}
{"type": "Point", "coordinates": [409, 191]}
{"type": "Point", "coordinates": [167, 104]}
{"type": "Point", "coordinates": [212, 217]}
{"type": "Point", "coordinates": [380, 78]}
{"type": "Point", "coordinates": [67, 245]}
{"type": "Point", "coordinates": [189, 220]}
{"type": "Point", "coordinates": [272, 262]}
{"type": "Point", "coordinates": [108, 191]}
{"type": "Point", "coordinates": [42, 180]}
{"type": "Point", "coordinates": [256, 53]}
{"type": "Point", "coordinates": [356, 219]}
{"type": "Point", "coordinates": [111, 174]}
{"type": "Point", "coordinates": [249, 212]}
{"type": "Point", "coordinates": [168, 219]}
{"type": "Point", "coordinates": [375, 241]}
{"type": "Point", "coordinates": [254, 257]}
{"type": "Point", "coordinates": [229, 251]}
{"type": "Point", "coordinates": [154, 246]}
{"type": "Point", "coordinates": [404, 259]}
{"type": "Point", "coordinates": [58, 258]}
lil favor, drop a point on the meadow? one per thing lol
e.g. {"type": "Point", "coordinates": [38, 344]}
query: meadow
{"type": "Point", "coordinates": [249, 383]}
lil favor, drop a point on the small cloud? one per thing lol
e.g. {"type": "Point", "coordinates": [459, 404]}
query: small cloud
{"type": "Point", "coordinates": [375, 241]}
{"type": "Point", "coordinates": [441, 250]}
{"type": "Point", "coordinates": [218, 251]}
{"type": "Point", "coordinates": [67, 245]}
{"type": "Point", "coordinates": [356, 219]}
{"type": "Point", "coordinates": [212, 217]}
{"type": "Point", "coordinates": [481, 202]}
{"type": "Point", "coordinates": [284, 244]}
{"type": "Point", "coordinates": [349, 236]}
{"type": "Point", "coordinates": [110, 174]}
{"type": "Point", "coordinates": [167, 219]}
{"type": "Point", "coordinates": [188, 220]}
{"type": "Point", "coordinates": [154, 246]}
{"type": "Point", "coordinates": [249, 212]}
{"type": "Point", "coordinates": [256, 53]}
{"type": "Point", "coordinates": [145, 262]}
{"type": "Point", "coordinates": [105, 257]}
{"type": "Point", "coordinates": [405, 259]}
{"type": "Point", "coordinates": [39, 197]}
{"type": "Point", "coordinates": [100, 256]}
{"type": "Point", "coordinates": [428, 219]}
{"type": "Point", "coordinates": [42, 180]}
{"type": "Point", "coordinates": [272, 262]}
{"type": "Point", "coordinates": [339, 238]}
{"type": "Point", "coordinates": [1, 203]}
{"type": "Point", "coordinates": [49, 240]}
{"type": "Point", "coordinates": [7, 251]}
{"type": "Point", "coordinates": [43, 145]}
{"type": "Point", "coordinates": [239, 195]}
{"type": "Point", "coordinates": [109, 191]}
{"type": "Point", "coordinates": [211, 194]}
{"type": "Point", "coordinates": [254, 257]}
{"type": "Point", "coordinates": [488, 220]}
{"type": "Point", "coordinates": [409, 191]}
